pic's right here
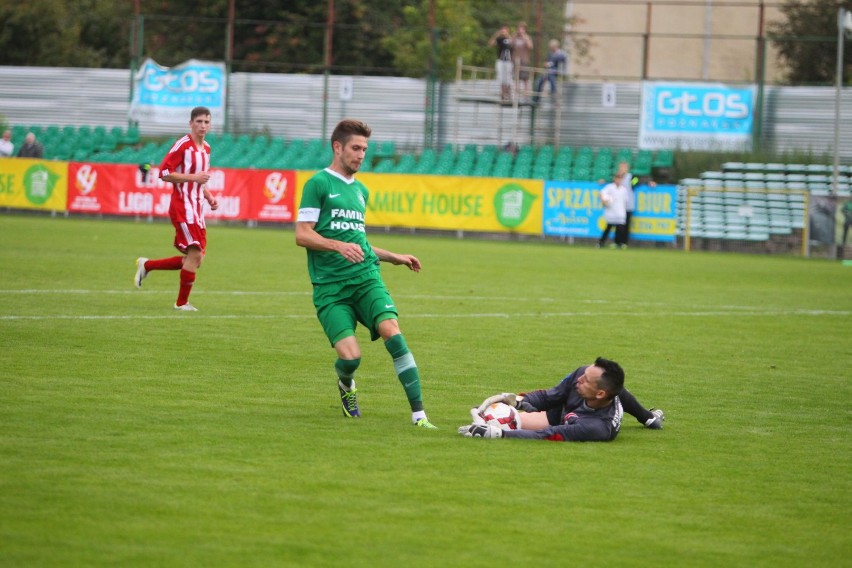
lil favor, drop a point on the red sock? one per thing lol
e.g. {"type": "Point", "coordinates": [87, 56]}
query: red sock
{"type": "Point", "coordinates": [173, 263]}
{"type": "Point", "coordinates": [186, 280]}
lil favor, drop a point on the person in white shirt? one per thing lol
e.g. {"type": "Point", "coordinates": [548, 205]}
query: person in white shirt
{"type": "Point", "coordinates": [614, 199]}
{"type": "Point", "coordinates": [7, 148]}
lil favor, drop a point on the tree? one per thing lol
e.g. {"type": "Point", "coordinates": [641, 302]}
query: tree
{"type": "Point", "coordinates": [807, 40]}
{"type": "Point", "coordinates": [457, 34]}
{"type": "Point", "coordinates": [74, 33]}
{"type": "Point", "coordinates": [375, 37]}
{"type": "Point", "coordinates": [463, 29]}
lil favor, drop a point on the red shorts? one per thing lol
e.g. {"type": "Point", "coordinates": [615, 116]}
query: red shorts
{"type": "Point", "coordinates": [187, 235]}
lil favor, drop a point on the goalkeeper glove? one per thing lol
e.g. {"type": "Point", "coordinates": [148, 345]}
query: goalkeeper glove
{"type": "Point", "coordinates": [480, 431]}
{"type": "Point", "coordinates": [509, 398]}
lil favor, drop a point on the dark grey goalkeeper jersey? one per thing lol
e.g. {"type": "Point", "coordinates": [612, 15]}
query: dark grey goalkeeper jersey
{"type": "Point", "coordinates": [571, 420]}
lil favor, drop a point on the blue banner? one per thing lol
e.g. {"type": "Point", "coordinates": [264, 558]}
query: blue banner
{"type": "Point", "coordinates": [574, 209]}
{"type": "Point", "coordinates": [167, 94]}
{"type": "Point", "coordinates": [696, 116]}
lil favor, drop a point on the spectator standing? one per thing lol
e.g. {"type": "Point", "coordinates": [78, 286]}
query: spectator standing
{"type": "Point", "coordinates": [614, 199]}
{"type": "Point", "coordinates": [628, 181]}
{"type": "Point", "coordinates": [522, 45]}
{"type": "Point", "coordinates": [555, 64]}
{"type": "Point", "coordinates": [30, 148]}
{"type": "Point", "coordinates": [502, 40]}
{"type": "Point", "coordinates": [7, 148]}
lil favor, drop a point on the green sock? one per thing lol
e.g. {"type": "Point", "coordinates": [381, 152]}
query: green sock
{"type": "Point", "coordinates": [345, 369]}
{"type": "Point", "coordinates": [406, 370]}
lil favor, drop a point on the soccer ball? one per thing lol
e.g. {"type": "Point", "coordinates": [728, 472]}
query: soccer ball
{"type": "Point", "coordinates": [502, 416]}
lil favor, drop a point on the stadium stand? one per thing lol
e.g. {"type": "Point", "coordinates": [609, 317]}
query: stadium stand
{"type": "Point", "coordinates": [742, 201]}
{"type": "Point", "coordinates": [100, 144]}
{"type": "Point", "coordinates": [755, 201]}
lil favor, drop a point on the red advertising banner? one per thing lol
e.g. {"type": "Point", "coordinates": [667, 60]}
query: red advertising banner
{"type": "Point", "coordinates": [272, 195]}
{"type": "Point", "coordinates": [120, 189]}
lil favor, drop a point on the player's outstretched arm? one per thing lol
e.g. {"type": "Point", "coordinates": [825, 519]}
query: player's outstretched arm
{"type": "Point", "coordinates": [408, 260]}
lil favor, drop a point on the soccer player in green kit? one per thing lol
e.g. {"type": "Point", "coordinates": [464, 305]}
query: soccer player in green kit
{"type": "Point", "coordinates": [344, 270]}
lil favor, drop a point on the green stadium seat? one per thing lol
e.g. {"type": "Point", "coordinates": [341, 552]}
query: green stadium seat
{"type": "Point", "coordinates": [624, 155]}
{"type": "Point", "coordinates": [541, 172]}
{"type": "Point", "coordinates": [503, 166]}
{"type": "Point", "coordinates": [384, 165]}
{"type": "Point", "coordinates": [562, 173]}
{"type": "Point", "coordinates": [484, 162]}
{"type": "Point", "coordinates": [406, 165]}
{"type": "Point", "coordinates": [131, 135]}
{"type": "Point", "coordinates": [663, 159]}
{"type": "Point", "coordinates": [446, 161]}
{"type": "Point", "coordinates": [582, 173]}
{"type": "Point", "coordinates": [427, 161]}
{"type": "Point", "coordinates": [385, 149]}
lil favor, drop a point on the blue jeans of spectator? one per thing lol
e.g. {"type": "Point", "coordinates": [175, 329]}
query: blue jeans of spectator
{"type": "Point", "coordinates": [539, 84]}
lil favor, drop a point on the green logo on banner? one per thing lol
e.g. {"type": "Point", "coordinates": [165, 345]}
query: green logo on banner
{"type": "Point", "coordinates": [512, 204]}
{"type": "Point", "coordinates": [38, 184]}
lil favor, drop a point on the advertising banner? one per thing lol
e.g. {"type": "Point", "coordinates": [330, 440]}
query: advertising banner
{"type": "Point", "coordinates": [454, 203]}
{"type": "Point", "coordinates": [166, 95]}
{"type": "Point", "coordinates": [273, 195]}
{"type": "Point", "coordinates": [118, 189]}
{"type": "Point", "coordinates": [696, 116]}
{"type": "Point", "coordinates": [655, 217]}
{"type": "Point", "coordinates": [574, 209]}
{"type": "Point", "coordinates": [33, 184]}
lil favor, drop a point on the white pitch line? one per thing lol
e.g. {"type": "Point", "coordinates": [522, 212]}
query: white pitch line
{"type": "Point", "coordinates": [501, 315]}
{"type": "Point", "coordinates": [211, 292]}
{"type": "Point", "coordinates": [713, 310]}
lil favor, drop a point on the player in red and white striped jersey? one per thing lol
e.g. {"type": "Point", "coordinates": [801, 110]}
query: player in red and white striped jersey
{"type": "Point", "coordinates": [186, 166]}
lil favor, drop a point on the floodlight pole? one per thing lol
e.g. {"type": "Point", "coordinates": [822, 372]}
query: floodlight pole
{"type": "Point", "coordinates": [327, 59]}
{"type": "Point", "coordinates": [137, 36]}
{"type": "Point", "coordinates": [841, 19]}
{"type": "Point", "coordinates": [229, 57]}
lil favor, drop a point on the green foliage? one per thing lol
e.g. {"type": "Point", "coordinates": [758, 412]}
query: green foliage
{"type": "Point", "coordinates": [456, 34]}
{"type": "Point", "coordinates": [806, 40]}
{"type": "Point", "coordinates": [375, 37]}
{"type": "Point", "coordinates": [76, 33]}
{"type": "Point", "coordinates": [131, 435]}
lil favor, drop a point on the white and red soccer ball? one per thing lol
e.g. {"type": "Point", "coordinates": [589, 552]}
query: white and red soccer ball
{"type": "Point", "coordinates": [502, 416]}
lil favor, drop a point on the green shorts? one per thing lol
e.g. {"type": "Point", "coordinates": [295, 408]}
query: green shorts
{"type": "Point", "coordinates": [341, 305]}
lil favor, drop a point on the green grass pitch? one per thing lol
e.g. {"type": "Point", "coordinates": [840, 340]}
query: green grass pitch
{"type": "Point", "coordinates": [132, 435]}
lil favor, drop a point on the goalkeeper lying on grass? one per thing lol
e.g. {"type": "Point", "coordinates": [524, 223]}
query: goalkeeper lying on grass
{"type": "Point", "coordinates": [587, 406]}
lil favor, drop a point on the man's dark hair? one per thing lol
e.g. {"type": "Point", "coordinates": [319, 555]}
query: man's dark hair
{"type": "Point", "coordinates": [612, 379]}
{"type": "Point", "coordinates": [348, 128]}
{"type": "Point", "coordinates": [199, 111]}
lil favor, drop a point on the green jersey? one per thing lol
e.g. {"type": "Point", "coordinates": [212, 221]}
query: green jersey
{"type": "Point", "coordinates": [337, 205]}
